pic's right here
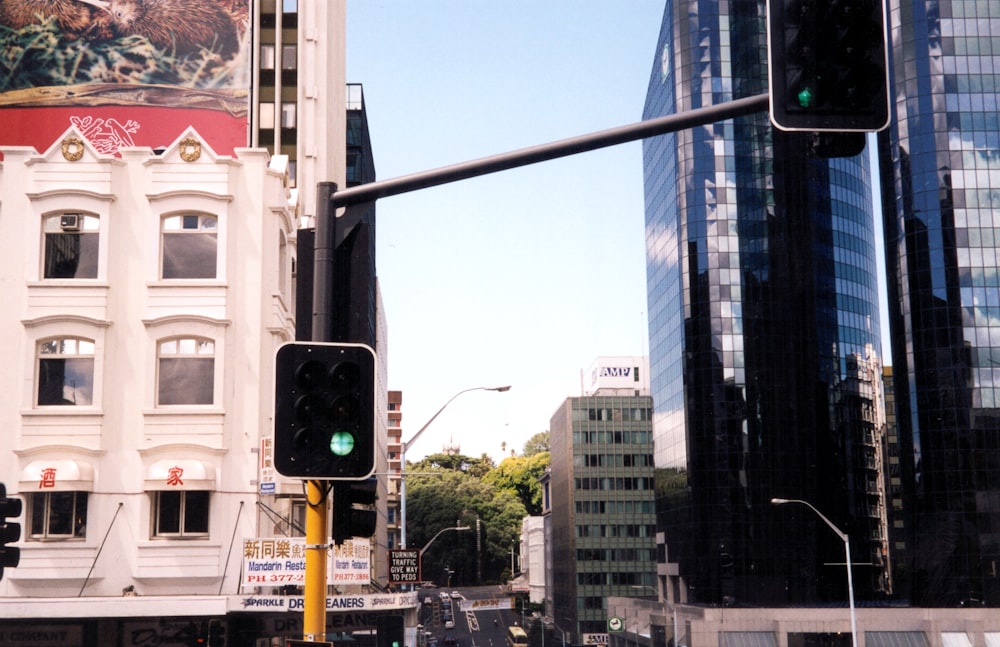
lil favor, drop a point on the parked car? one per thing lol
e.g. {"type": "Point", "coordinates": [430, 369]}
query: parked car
{"type": "Point", "coordinates": [455, 595]}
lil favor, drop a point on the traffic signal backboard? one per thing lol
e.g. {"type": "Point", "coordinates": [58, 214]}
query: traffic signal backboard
{"type": "Point", "coordinates": [324, 412]}
{"type": "Point", "coordinates": [827, 65]}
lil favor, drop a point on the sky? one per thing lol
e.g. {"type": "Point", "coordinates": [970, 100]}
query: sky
{"type": "Point", "coordinates": [522, 277]}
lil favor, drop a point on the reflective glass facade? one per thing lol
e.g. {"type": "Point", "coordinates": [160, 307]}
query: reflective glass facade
{"type": "Point", "coordinates": [941, 182]}
{"type": "Point", "coordinates": [765, 357]}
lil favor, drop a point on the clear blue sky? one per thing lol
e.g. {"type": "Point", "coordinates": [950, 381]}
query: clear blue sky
{"type": "Point", "coordinates": [522, 277]}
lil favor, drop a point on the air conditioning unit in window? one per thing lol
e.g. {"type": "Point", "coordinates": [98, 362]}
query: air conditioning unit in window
{"type": "Point", "coordinates": [70, 222]}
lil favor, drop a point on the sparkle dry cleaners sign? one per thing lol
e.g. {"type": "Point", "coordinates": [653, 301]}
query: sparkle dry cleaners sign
{"type": "Point", "coordinates": [367, 602]}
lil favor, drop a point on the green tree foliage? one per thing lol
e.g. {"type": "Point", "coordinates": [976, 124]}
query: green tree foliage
{"type": "Point", "coordinates": [445, 491]}
{"type": "Point", "coordinates": [537, 444]}
{"type": "Point", "coordinates": [520, 476]}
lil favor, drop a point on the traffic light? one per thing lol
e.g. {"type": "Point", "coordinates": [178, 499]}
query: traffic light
{"type": "Point", "coordinates": [349, 520]}
{"type": "Point", "coordinates": [216, 633]}
{"type": "Point", "coordinates": [389, 631]}
{"type": "Point", "coordinates": [10, 531]}
{"type": "Point", "coordinates": [324, 412]}
{"type": "Point", "coordinates": [827, 65]}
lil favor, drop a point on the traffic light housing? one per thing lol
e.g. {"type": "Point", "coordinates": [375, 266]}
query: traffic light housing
{"type": "Point", "coordinates": [389, 631]}
{"type": "Point", "coordinates": [216, 633]}
{"type": "Point", "coordinates": [324, 412]}
{"type": "Point", "coordinates": [10, 531]}
{"type": "Point", "coordinates": [828, 65]}
{"type": "Point", "coordinates": [350, 520]}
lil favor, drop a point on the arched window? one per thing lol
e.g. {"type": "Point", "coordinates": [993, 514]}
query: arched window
{"type": "Point", "coordinates": [185, 371]}
{"type": "Point", "coordinates": [65, 371]}
{"type": "Point", "coordinates": [71, 246]}
{"type": "Point", "coordinates": [190, 246]}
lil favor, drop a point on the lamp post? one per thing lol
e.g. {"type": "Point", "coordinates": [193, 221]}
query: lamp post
{"type": "Point", "coordinates": [420, 557]}
{"type": "Point", "coordinates": [847, 552]}
{"type": "Point", "coordinates": [405, 446]}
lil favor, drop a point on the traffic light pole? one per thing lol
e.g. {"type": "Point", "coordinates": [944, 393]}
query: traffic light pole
{"type": "Point", "coordinates": [317, 521]}
{"type": "Point", "coordinates": [545, 152]}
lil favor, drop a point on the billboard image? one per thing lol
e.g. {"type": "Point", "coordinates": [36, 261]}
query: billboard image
{"type": "Point", "coordinates": [124, 72]}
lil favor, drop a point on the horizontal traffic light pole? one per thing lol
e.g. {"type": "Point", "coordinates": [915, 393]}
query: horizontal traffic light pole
{"type": "Point", "coordinates": [550, 151]}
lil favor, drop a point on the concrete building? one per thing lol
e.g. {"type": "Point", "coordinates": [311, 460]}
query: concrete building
{"type": "Point", "coordinates": [151, 266]}
{"type": "Point", "coordinates": [602, 509]}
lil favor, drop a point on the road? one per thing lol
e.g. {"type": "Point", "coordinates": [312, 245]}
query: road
{"type": "Point", "coordinates": [484, 628]}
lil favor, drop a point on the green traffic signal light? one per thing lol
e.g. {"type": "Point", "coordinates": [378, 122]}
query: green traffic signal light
{"type": "Point", "coordinates": [341, 443]}
{"type": "Point", "coordinates": [806, 97]}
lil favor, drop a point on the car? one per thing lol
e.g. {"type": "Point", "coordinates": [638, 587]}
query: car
{"type": "Point", "coordinates": [449, 623]}
{"type": "Point", "coordinates": [450, 641]}
{"type": "Point", "coordinates": [455, 595]}
{"type": "Point", "coordinates": [443, 595]}
{"type": "Point", "coordinates": [428, 600]}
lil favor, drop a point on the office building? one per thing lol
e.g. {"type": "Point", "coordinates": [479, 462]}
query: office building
{"type": "Point", "coordinates": [151, 268]}
{"type": "Point", "coordinates": [940, 185]}
{"type": "Point", "coordinates": [602, 511]}
{"type": "Point", "coordinates": [765, 356]}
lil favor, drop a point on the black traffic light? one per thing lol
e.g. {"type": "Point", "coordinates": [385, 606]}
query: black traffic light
{"type": "Point", "coordinates": [389, 631]}
{"type": "Point", "coordinates": [10, 531]}
{"type": "Point", "coordinates": [827, 65]}
{"type": "Point", "coordinates": [216, 633]}
{"type": "Point", "coordinates": [324, 411]}
{"type": "Point", "coordinates": [349, 520]}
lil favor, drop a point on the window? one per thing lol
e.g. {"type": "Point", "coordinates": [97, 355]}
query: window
{"type": "Point", "coordinates": [190, 246]}
{"type": "Point", "coordinates": [57, 515]}
{"type": "Point", "coordinates": [71, 241]}
{"type": "Point", "coordinates": [186, 371]}
{"type": "Point", "coordinates": [267, 56]}
{"type": "Point", "coordinates": [289, 57]}
{"type": "Point", "coordinates": [288, 115]}
{"type": "Point", "coordinates": [181, 513]}
{"type": "Point", "coordinates": [66, 372]}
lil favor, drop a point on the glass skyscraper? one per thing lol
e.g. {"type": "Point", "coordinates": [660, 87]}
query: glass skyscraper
{"type": "Point", "coordinates": [765, 356]}
{"type": "Point", "coordinates": [941, 188]}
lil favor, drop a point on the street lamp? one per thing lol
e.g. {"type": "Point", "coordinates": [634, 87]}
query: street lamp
{"type": "Point", "coordinates": [405, 445]}
{"type": "Point", "coordinates": [420, 556]}
{"type": "Point", "coordinates": [847, 552]}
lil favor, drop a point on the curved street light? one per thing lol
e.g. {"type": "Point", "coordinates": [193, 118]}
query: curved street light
{"type": "Point", "coordinates": [847, 551]}
{"type": "Point", "coordinates": [420, 556]}
{"type": "Point", "coordinates": [405, 445]}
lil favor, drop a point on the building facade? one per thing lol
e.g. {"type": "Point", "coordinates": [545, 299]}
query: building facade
{"type": "Point", "coordinates": [601, 486]}
{"type": "Point", "coordinates": [940, 203]}
{"type": "Point", "coordinates": [765, 356]}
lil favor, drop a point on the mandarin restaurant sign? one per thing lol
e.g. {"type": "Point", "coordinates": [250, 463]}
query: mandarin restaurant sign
{"type": "Point", "coordinates": [282, 561]}
{"type": "Point", "coordinates": [118, 83]}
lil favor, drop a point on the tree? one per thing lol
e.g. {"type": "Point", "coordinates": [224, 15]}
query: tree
{"type": "Point", "coordinates": [520, 476]}
{"type": "Point", "coordinates": [439, 497]}
{"type": "Point", "coordinates": [537, 444]}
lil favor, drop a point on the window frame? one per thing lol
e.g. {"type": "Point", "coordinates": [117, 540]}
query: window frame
{"type": "Point", "coordinates": [41, 356]}
{"type": "Point", "coordinates": [170, 233]}
{"type": "Point", "coordinates": [157, 510]}
{"type": "Point", "coordinates": [181, 355]}
{"type": "Point", "coordinates": [42, 501]}
{"type": "Point", "coordinates": [84, 224]}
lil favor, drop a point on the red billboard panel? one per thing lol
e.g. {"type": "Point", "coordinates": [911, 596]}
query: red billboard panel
{"type": "Point", "coordinates": [124, 72]}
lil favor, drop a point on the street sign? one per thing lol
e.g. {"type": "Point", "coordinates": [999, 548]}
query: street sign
{"type": "Point", "coordinates": [404, 566]}
{"type": "Point", "coordinates": [615, 623]}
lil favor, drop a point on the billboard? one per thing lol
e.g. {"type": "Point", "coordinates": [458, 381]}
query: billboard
{"type": "Point", "coordinates": [125, 72]}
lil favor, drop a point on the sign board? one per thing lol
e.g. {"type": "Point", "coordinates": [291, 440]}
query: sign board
{"type": "Point", "coordinates": [493, 604]}
{"type": "Point", "coordinates": [282, 561]}
{"type": "Point", "coordinates": [596, 639]}
{"type": "Point", "coordinates": [404, 566]}
{"type": "Point", "coordinates": [616, 624]}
